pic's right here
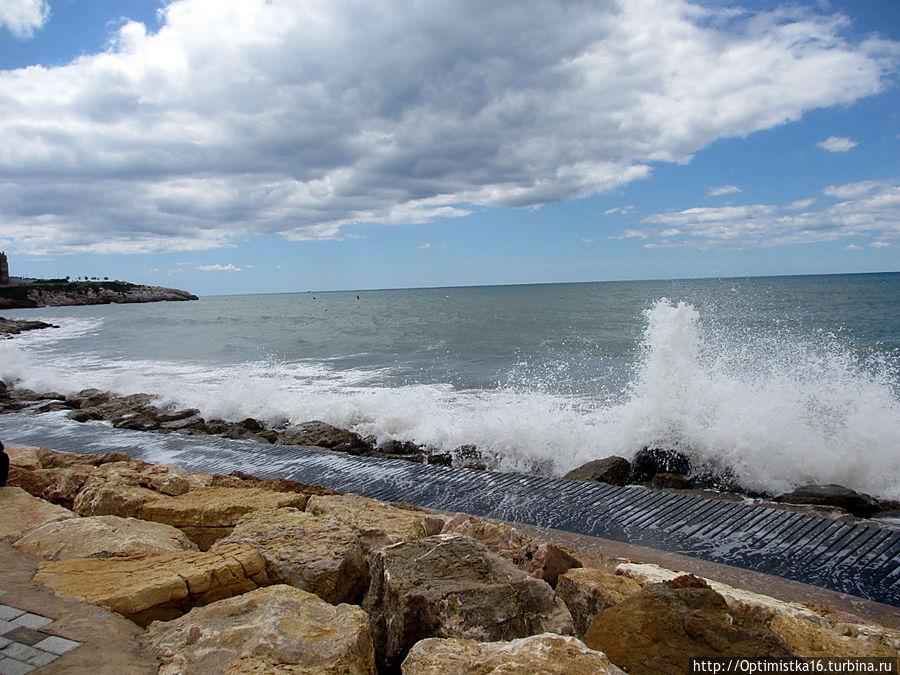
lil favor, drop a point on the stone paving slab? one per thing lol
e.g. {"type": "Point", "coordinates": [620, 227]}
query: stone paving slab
{"type": "Point", "coordinates": [51, 635]}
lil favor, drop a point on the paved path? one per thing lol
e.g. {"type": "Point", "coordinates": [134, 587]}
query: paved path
{"type": "Point", "coordinates": [39, 630]}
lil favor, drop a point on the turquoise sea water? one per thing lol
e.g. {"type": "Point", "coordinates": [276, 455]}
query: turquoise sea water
{"type": "Point", "coordinates": [785, 379]}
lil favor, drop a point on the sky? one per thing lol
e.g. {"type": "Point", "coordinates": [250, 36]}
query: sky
{"type": "Point", "coordinates": [232, 146]}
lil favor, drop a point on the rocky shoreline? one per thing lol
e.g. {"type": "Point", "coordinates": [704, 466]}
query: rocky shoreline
{"type": "Point", "coordinates": [29, 293]}
{"type": "Point", "coordinates": [11, 327]}
{"type": "Point", "coordinates": [236, 574]}
{"type": "Point", "coordinates": [655, 468]}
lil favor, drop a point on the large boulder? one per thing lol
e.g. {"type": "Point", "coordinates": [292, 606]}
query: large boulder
{"type": "Point", "coordinates": [324, 436]}
{"type": "Point", "coordinates": [164, 586]}
{"type": "Point", "coordinates": [662, 626]}
{"type": "Point", "coordinates": [453, 586]}
{"type": "Point", "coordinates": [538, 558]}
{"type": "Point", "coordinates": [20, 512]}
{"type": "Point", "coordinates": [378, 524]}
{"type": "Point", "coordinates": [859, 504]}
{"type": "Point", "coordinates": [587, 591]}
{"type": "Point", "coordinates": [209, 514]}
{"type": "Point", "coordinates": [278, 629]}
{"type": "Point", "coordinates": [613, 470]}
{"type": "Point", "coordinates": [99, 498]}
{"type": "Point", "coordinates": [548, 654]}
{"type": "Point", "coordinates": [102, 537]}
{"type": "Point", "coordinates": [319, 554]}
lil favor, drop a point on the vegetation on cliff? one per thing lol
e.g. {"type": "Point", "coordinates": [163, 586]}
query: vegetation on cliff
{"type": "Point", "coordinates": [57, 292]}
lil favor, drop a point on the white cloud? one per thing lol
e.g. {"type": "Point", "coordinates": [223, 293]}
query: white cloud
{"type": "Point", "coordinates": [852, 247]}
{"type": "Point", "coordinates": [880, 244]}
{"type": "Point", "coordinates": [629, 208]}
{"type": "Point", "coordinates": [301, 118]}
{"type": "Point", "coordinates": [219, 268]}
{"type": "Point", "coordinates": [800, 204]}
{"type": "Point", "coordinates": [723, 190]}
{"type": "Point", "coordinates": [425, 246]}
{"type": "Point", "coordinates": [22, 17]}
{"type": "Point", "coordinates": [587, 240]}
{"type": "Point", "coordinates": [869, 209]}
{"type": "Point", "coordinates": [837, 144]}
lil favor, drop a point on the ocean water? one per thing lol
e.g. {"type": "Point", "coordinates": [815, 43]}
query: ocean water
{"type": "Point", "coordinates": [786, 380]}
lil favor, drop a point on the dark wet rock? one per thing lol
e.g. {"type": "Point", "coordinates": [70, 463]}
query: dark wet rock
{"type": "Point", "coordinates": [80, 416]}
{"type": "Point", "coordinates": [393, 447]}
{"type": "Point", "coordinates": [859, 504]}
{"type": "Point", "coordinates": [135, 422]}
{"type": "Point", "coordinates": [251, 423]}
{"type": "Point", "coordinates": [16, 326]}
{"type": "Point", "coordinates": [673, 481]}
{"type": "Point", "coordinates": [712, 477]}
{"type": "Point", "coordinates": [613, 470]}
{"type": "Point", "coordinates": [650, 461]}
{"type": "Point", "coordinates": [324, 435]}
{"type": "Point", "coordinates": [88, 398]}
{"type": "Point", "coordinates": [217, 426]}
{"type": "Point", "coordinates": [23, 394]}
{"type": "Point", "coordinates": [165, 416]}
{"type": "Point", "coordinates": [468, 457]}
{"type": "Point", "coordinates": [440, 459]}
{"type": "Point", "coordinates": [194, 422]}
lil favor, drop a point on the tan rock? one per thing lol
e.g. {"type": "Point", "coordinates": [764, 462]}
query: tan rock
{"type": "Point", "coordinates": [453, 586]}
{"type": "Point", "coordinates": [587, 591]}
{"type": "Point", "coordinates": [548, 654]}
{"type": "Point", "coordinates": [662, 626]}
{"type": "Point", "coordinates": [540, 559]}
{"type": "Point", "coordinates": [20, 512]}
{"type": "Point", "coordinates": [102, 537]}
{"type": "Point", "coordinates": [276, 629]}
{"type": "Point", "coordinates": [101, 498]}
{"type": "Point", "coordinates": [164, 586]}
{"type": "Point", "coordinates": [319, 554]}
{"type": "Point", "coordinates": [379, 524]}
{"type": "Point", "coordinates": [209, 514]}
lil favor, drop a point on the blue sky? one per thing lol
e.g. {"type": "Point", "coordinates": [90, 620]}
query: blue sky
{"type": "Point", "coordinates": [250, 146]}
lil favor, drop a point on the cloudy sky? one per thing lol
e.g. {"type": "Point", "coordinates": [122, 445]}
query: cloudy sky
{"type": "Point", "coordinates": [281, 145]}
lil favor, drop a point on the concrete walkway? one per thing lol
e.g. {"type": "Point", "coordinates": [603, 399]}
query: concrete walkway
{"type": "Point", "coordinates": [40, 632]}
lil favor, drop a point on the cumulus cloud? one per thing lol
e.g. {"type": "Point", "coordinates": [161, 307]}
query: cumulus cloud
{"type": "Point", "coordinates": [837, 144]}
{"type": "Point", "coordinates": [723, 190]}
{"type": "Point", "coordinates": [301, 118]}
{"type": "Point", "coordinates": [23, 17]}
{"type": "Point", "coordinates": [869, 209]}
{"type": "Point", "coordinates": [219, 268]}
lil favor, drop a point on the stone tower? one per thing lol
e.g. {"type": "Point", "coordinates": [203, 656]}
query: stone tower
{"type": "Point", "coordinates": [4, 268]}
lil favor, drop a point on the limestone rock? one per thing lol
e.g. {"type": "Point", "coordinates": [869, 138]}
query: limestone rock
{"type": "Point", "coordinates": [102, 537]}
{"type": "Point", "coordinates": [164, 586]}
{"type": "Point", "coordinates": [99, 498]}
{"type": "Point", "coordinates": [661, 627]}
{"type": "Point", "coordinates": [613, 470]}
{"type": "Point", "coordinates": [453, 586]}
{"type": "Point", "coordinates": [208, 514]}
{"type": "Point", "coordinates": [379, 524]}
{"type": "Point", "coordinates": [540, 559]}
{"type": "Point", "coordinates": [275, 629]}
{"type": "Point", "coordinates": [587, 591]}
{"type": "Point", "coordinates": [548, 654]}
{"type": "Point", "coordinates": [20, 512]}
{"type": "Point", "coordinates": [319, 554]}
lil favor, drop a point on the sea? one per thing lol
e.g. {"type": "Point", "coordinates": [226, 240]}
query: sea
{"type": "Point", "coordinates": [782, 380]}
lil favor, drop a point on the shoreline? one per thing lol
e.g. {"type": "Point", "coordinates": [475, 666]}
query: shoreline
{"type": "Point", "coordinates": [37, 293]}
{"type": "Point", "coordinates": [659, 469]}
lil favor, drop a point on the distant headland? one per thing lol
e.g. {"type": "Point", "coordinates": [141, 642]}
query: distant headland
{"type": "Point", "coordinates": [22, 293]}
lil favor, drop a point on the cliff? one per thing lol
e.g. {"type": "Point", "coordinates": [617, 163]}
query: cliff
{"type": "Point", "coordinates": [54, 293]}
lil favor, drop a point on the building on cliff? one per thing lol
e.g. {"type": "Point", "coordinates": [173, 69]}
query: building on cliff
{"type": "Point", "coordinates": [4, 268]}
